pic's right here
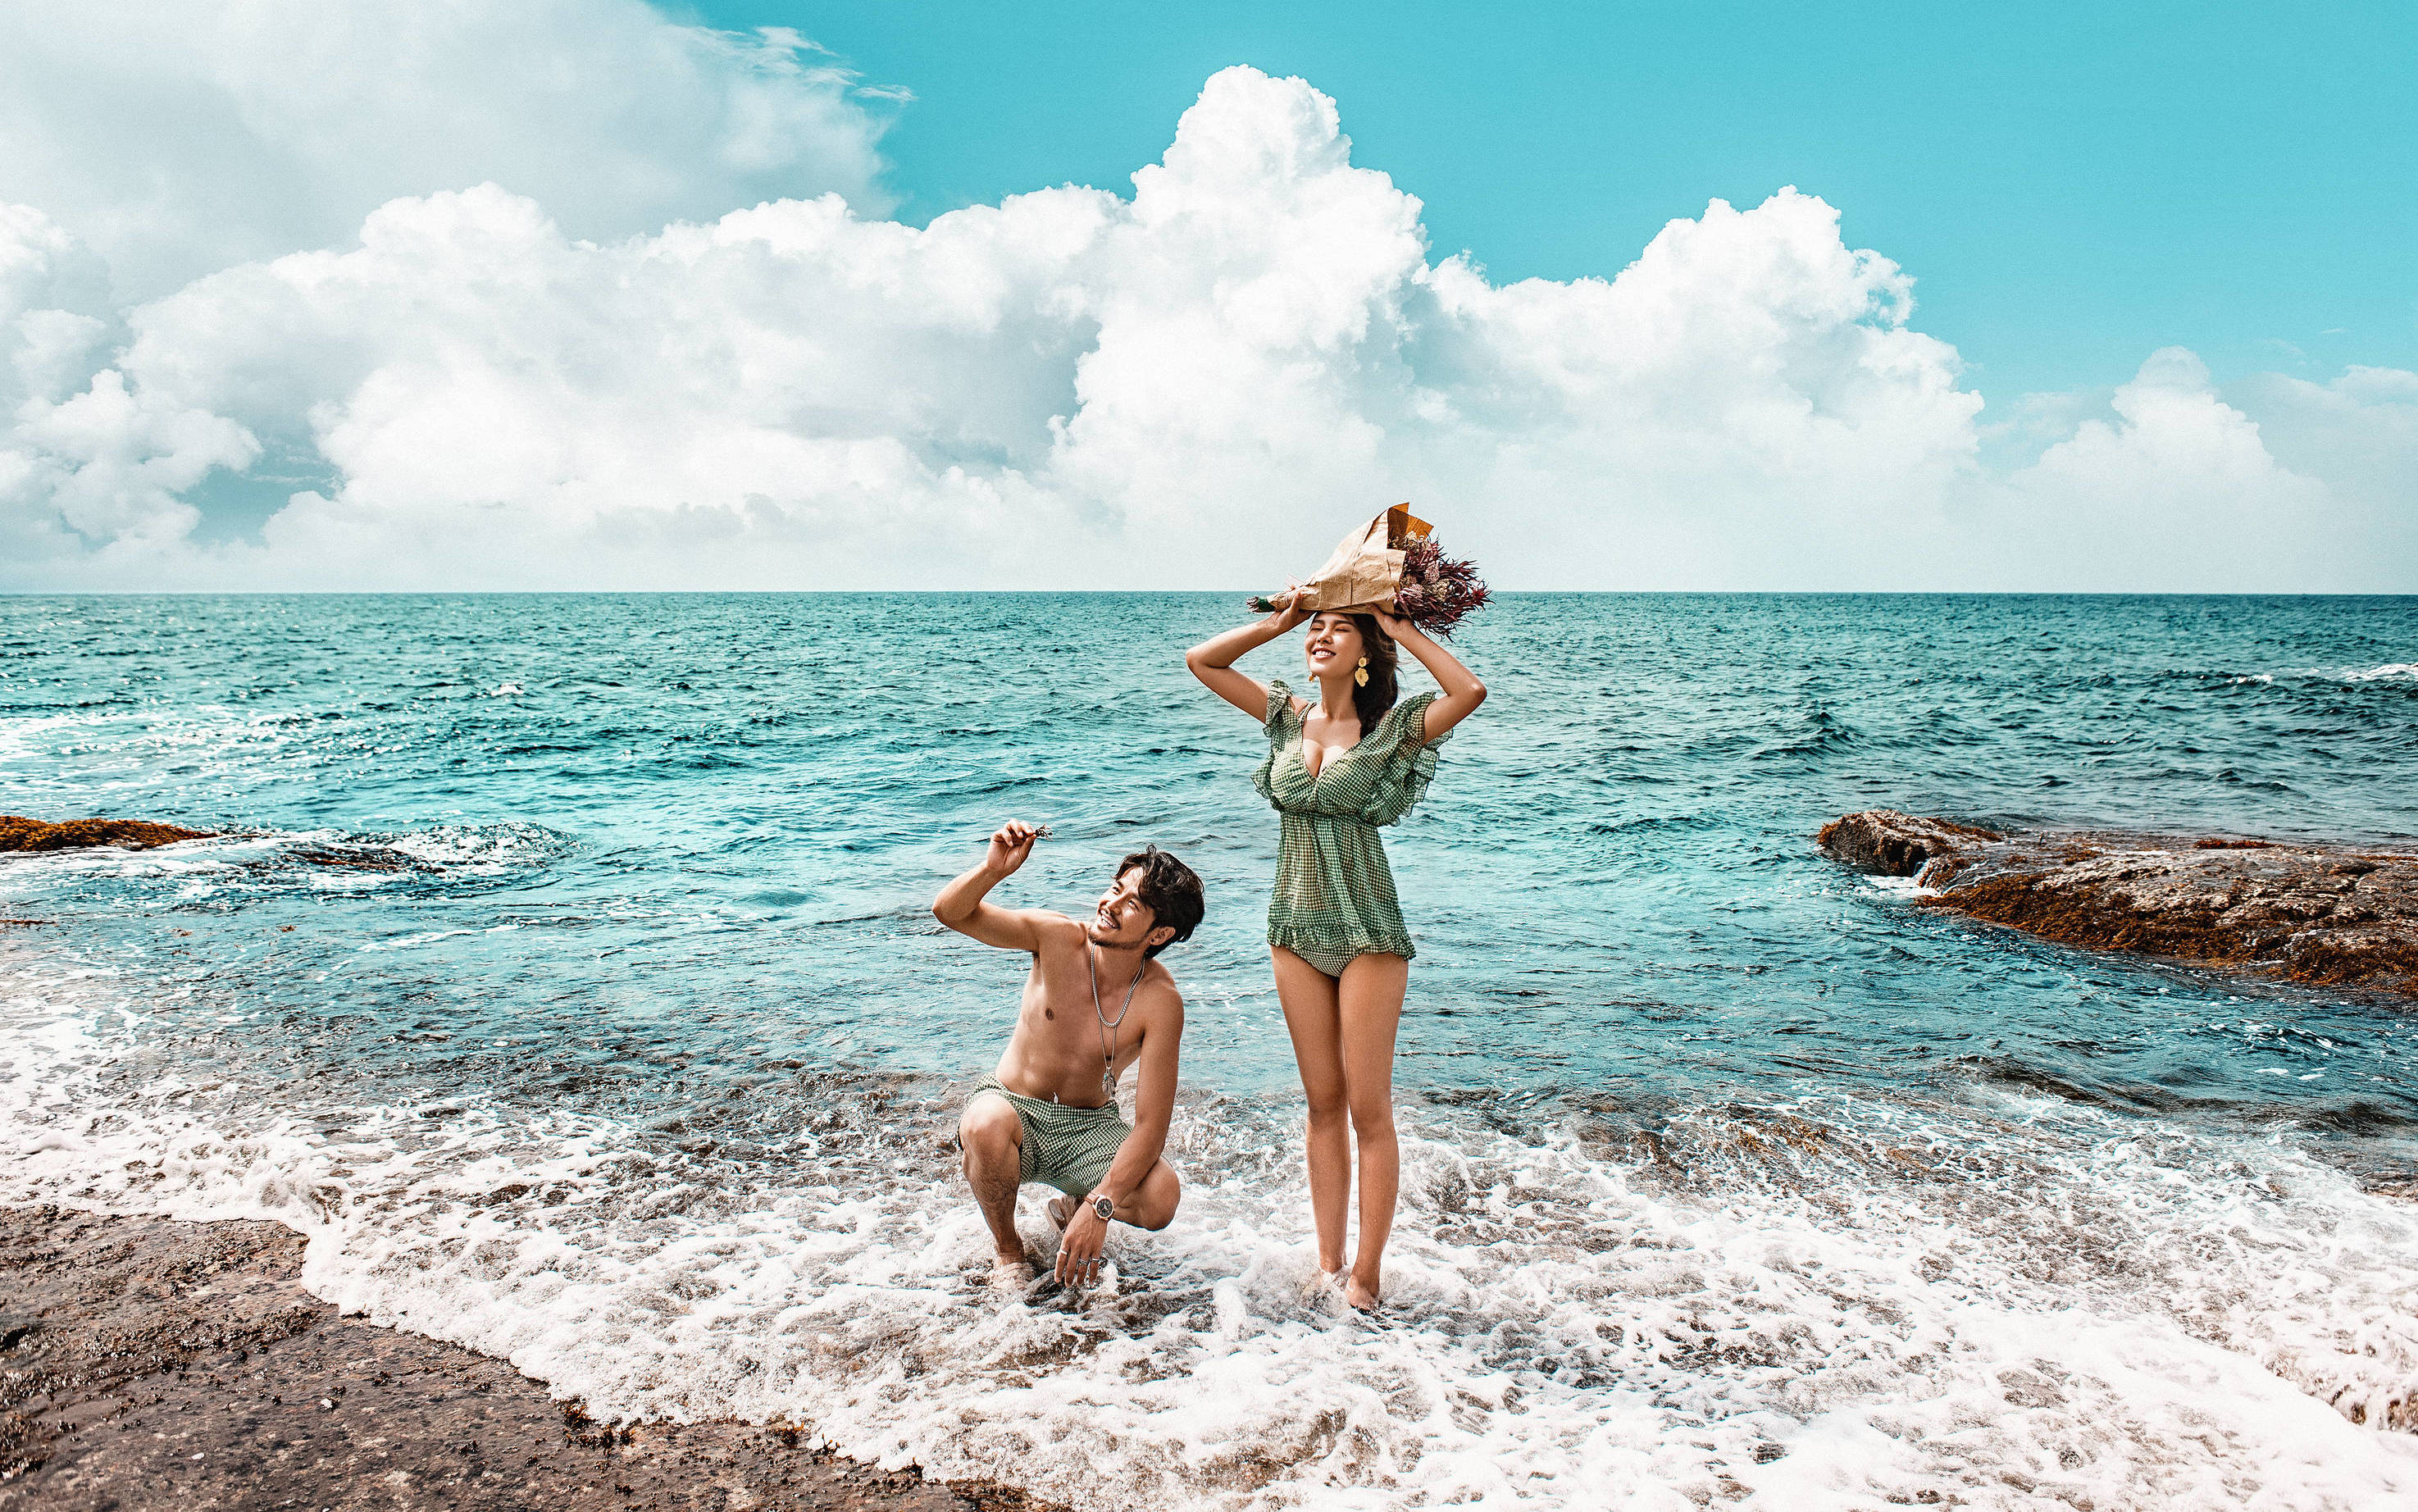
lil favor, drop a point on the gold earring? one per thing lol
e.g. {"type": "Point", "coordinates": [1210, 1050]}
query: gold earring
{"type": "Point", "coordinates": [1360, 674]}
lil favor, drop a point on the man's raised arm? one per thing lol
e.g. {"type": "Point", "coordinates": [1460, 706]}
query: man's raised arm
{"type": "Point", "coordinates": [961, 905]}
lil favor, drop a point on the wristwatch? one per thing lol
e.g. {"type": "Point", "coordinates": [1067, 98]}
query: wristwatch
{"type": "Point", "coordinates": [1104, 1205]}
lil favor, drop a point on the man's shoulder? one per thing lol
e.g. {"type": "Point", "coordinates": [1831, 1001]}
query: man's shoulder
{"type": "Point", "coordinates": [1160, 982]}
{"type": "Point", "coordinates": [1056, 928]}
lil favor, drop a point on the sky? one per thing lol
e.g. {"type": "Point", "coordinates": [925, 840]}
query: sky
{"type": "Point", "coordinates": [2074, 185]}
{"type": "Point", "coordinates": [594, 294]}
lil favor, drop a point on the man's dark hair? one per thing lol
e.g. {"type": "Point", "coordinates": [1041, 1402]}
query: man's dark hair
{"type": "Point", "coordinates": [1170, 890]}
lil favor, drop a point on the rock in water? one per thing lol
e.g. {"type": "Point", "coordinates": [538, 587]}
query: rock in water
{"type": "Point", "coordinates": [17, 832]}
{"type": "Point", "coordinates": [2327, 915]}
{"type": "Point", "coordinates": [1888, 843]}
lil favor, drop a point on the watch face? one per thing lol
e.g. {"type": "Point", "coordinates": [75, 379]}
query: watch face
{"type": "Point", "coordinates": [1105, 1208]}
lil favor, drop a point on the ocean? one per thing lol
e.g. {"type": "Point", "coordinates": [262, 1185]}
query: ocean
{"type": "Point", "coordinates": [567, 975]}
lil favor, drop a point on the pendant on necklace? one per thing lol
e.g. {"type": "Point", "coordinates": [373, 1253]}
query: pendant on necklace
{"type": "Point", "coordinates": [1109, 1079]}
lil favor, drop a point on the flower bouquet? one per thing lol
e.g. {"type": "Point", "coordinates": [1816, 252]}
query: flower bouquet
{"type": "Point", "coordinates": [1392, 563]}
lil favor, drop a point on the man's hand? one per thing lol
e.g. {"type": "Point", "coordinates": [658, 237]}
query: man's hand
{"type": "Point", "coordinates": [1010, 845]}
{"type": "Point", "coordinates": [961, 905]}
{"type": "Point", "coordinates": [1079, 1251]}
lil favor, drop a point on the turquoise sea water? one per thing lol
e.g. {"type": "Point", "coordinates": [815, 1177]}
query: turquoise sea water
{"type": "Point", "coordinates": [567, 973]}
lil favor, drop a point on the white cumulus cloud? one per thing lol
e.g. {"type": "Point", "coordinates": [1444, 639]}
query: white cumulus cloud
{"type": "Point", "coordinates": [2359, 434]}
{"type": "Point", "coordinates": [2175, 490]}
{"type": "Point", "coordinates": [1195, 385]}
{"type": "Point", "coordinates": [178, 139]}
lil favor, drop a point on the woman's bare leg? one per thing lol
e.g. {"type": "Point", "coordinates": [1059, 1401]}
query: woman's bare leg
{"type": "Point", "coordinates": [1308, 995]}
{"type": "Point", "coordinates": [1369, 1007]}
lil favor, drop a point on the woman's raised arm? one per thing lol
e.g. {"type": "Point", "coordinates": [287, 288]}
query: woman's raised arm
{"type": "Point", "coordinates": [1212, 661]}
{"type": "Point", "coordinates": [1462, 691]}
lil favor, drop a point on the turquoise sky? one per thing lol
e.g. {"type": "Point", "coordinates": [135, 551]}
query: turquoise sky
{"type": "Point", "coordinates": [2074, 185]}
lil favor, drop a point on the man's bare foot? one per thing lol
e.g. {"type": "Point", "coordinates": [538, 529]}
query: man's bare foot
{"type": "Point", "coordinates": [1010, 1277]}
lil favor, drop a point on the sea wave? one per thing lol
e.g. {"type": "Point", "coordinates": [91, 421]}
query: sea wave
{"type": "Point", "coordinates": [225, 868]}
{"type": "Point", "coordinates": [2386, 672]}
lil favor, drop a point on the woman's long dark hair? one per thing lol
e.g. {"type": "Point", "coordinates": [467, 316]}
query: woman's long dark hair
{"type": "Point", "coordinates": [1373, 697]}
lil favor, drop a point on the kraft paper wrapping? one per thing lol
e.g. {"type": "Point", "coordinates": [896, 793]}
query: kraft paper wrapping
{"type": "Point", "coordinates": [1367, 565]}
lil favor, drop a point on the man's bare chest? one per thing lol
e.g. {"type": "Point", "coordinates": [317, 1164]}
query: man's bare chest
{"type": "Point", "coordinates": [1062, 1020]}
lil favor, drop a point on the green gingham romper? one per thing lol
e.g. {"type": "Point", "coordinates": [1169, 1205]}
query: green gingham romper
{"type": "Point", "coordinates": [1334, 896]}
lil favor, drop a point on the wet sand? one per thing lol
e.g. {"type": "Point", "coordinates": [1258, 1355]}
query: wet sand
{"type": "Point", "coordinates": [146, 1362]}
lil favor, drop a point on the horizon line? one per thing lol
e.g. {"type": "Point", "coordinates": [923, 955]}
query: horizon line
{"type": "Point", "coordinates": [1499, 593]}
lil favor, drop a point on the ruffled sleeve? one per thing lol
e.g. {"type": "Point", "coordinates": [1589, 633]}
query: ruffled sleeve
{"type": "Point", "coordinates": [1280, 718]}
{"type": "Point", "coordinates": [1406, 759]}
{"type": "Point", "coordinates": [1281, 721]}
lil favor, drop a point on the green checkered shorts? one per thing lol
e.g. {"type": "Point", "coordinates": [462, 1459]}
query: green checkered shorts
{"type": "Point", "coordinates": [1067, 1148]}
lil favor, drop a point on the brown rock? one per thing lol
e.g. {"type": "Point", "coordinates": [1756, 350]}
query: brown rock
{"type": "Point", "coordinates": [1890, 844]}
{"type": "Point", "coordinates": [17, 832]}
{"type": "Point", "coordinates": [151, 1362]}
{"type": "Point", "coordinates": [2327, 915]}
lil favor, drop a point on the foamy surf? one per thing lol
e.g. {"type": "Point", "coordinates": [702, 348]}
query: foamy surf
{"type": "Point", "coordinates": [2383, 672]}
{"type": "Point", "coordinates": [1972, 1299]}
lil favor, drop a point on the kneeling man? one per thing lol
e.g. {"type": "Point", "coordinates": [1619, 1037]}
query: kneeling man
{"type": "Point", "coordinates": [1095, 1003]}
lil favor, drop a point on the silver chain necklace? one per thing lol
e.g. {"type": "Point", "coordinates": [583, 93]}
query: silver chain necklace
{"type": "Point", "coordinates": [1109, 1027]}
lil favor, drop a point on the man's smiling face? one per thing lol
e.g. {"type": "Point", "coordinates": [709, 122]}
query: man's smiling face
{"type": "Point", "coordinates": [1122, 919]}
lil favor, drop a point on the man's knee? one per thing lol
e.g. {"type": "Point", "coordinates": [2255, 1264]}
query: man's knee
{"type": "Point", "coordinates": [1161, 1193]}
{"type": "Point", "coordinates": [988, 1130]}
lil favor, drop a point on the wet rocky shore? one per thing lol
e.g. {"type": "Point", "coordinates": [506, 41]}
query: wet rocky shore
{"type": "Point", "coordinates": [150, 1363]}
{"type": "Point", "coordinates": [18, 832]}
{"type": "Point", "coordinates": [2321, 914]}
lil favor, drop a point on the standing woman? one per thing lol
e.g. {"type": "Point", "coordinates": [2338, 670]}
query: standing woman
{"type": "Point", "coordinates": [1335, 769]}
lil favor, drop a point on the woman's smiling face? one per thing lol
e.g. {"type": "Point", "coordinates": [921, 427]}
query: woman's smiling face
{"type": "Point", "coordinates": [1332, 643]}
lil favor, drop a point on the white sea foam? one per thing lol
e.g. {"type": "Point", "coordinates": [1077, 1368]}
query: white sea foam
{"type": "Point", "coordinates": [488, 848]}
{"type": "Point", "coordinates": [1996, 1302]}
{"type": "Point", "coordinates": [1904, 889]}
{"type": "Point", "coordinates": [203, 869]}
{"type": "Point", "coordinates": [2386, 672]}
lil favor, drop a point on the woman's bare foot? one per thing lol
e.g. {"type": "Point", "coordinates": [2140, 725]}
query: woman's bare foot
{"type": "Point", "coordinates": [1357, 1297]}
{"type": "Point", "coordinates": [1061, 1210]}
